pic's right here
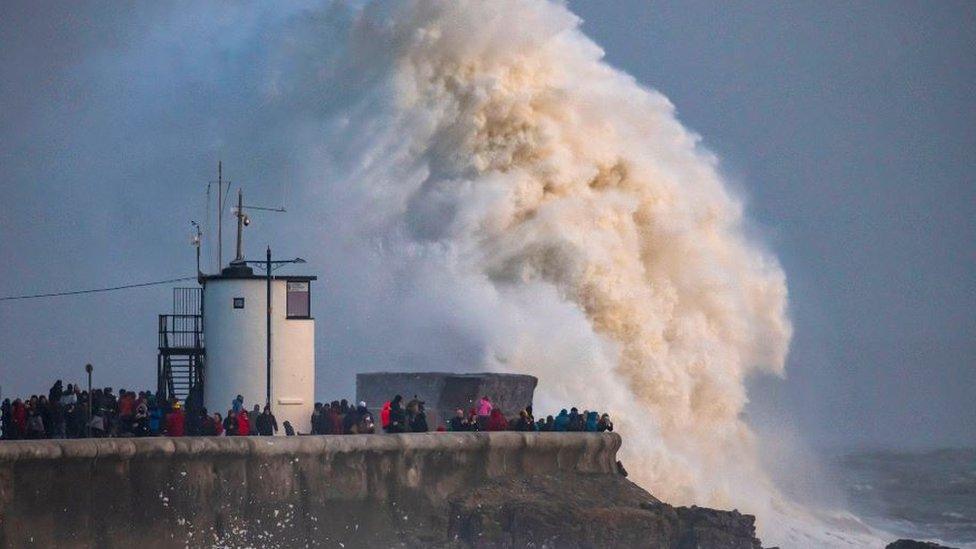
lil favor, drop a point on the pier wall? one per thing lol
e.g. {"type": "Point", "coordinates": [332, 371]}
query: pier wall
{"type": "Point", "coordinates": [359, 490]}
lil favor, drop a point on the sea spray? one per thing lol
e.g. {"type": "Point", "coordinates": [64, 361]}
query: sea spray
{"type": "Point", "coordinates": [557, 213]}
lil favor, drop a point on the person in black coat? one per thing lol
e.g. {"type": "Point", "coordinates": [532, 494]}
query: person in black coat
{"type": "Point", "coordinates": [230, 423]}
{"type": "Point", "coordinates": [6, 428]}
{"type": "Point", "coordinates": [458, 422]}
{"type": "Point", "coordinates": [419, 422]}
{"type": "Point", "coordinates": [267, 423]}
{"type": "Point", "coordinates": [398, 418]}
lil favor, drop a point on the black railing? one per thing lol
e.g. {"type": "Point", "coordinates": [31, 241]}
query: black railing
{"type": "Point", "coordinates": [187, 301]}
{"type": "Point", "coordinates": [180, 332]}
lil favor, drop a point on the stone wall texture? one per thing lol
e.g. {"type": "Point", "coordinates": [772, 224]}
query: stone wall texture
{"type": "Point", "coordinates": [355, 490]}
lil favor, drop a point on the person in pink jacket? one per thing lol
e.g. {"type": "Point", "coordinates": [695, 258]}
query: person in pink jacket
{"type": "Point", "coordinates": [484, 410]}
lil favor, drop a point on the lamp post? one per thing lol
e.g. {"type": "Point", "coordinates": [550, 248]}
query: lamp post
{"type": "Point", "coordinates": [242, 221]}
{"type": "Point", "coordinates": [88, 369]}
{"type": "Point", "coordinates": [268, 265]}
{"type": "Point", "coordinates": [267, 268]}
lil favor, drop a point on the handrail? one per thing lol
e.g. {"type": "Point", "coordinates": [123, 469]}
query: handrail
{"type": "Point", "coordinates": [180, 331]}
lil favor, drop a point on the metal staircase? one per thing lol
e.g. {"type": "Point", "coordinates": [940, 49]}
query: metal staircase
{"type": "Point", "coordinates": [181, 361]}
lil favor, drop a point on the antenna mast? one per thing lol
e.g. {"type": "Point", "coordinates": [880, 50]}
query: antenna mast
{"type": "Point", "coordinates": [197, 240]}
{"type": "Point", "coordinates": [242, 220]}
{"type": "Point", "coordinates": [220, 211]}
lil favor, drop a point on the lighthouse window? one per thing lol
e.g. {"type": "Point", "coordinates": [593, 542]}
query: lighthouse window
{"type": "Point", "coordinates": [298, 300]}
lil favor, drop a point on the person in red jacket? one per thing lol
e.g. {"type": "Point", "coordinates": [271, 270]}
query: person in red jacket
{"type": "Point", "coordinates": [385, 414]}
{"type": "Point", "coordinates": [243, 424]}
{"type": "Point", "coordinates": [127, 409]}
{"type": "Point", "coordinates": [175, 421]}
{"type": "Point", "coordinates": [19, 413]}
{"type": "Point", "coordinates": [497, 421]}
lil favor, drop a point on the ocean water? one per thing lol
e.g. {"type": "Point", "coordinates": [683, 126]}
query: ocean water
{"type": "Point", "coordinates": [920, 495]}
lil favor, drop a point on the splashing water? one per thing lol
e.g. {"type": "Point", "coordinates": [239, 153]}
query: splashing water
{"type": "Point", "coordinates": [562, 217]}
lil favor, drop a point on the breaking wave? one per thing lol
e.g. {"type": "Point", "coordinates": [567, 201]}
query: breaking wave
{"type": "Point", "coordinates": [558, 215]}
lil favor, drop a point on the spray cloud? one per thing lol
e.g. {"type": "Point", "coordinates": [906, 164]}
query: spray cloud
{"type": "Point", "coordinates": [555, 215]}
{"type": "Point", "coordinates": [568, 195]}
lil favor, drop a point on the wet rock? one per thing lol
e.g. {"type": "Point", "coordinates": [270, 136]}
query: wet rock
{"type": "Point", "coordinates": [913, 544]}
{"type": "Point", "coordinates": [588, 511]}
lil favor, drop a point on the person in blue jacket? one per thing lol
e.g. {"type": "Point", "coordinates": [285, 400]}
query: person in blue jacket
{"type": "Point", "coordinates": [592, 419]}
{"type": "Point", "coordinates": [561, 422]}
{"type": "Point", "coordinates": [155, 416]}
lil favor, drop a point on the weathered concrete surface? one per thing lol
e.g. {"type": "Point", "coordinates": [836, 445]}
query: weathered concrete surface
{"type": "Point", "coordinates": [437, 489]}
{"type": "Point", "coordinates": [445, 392]}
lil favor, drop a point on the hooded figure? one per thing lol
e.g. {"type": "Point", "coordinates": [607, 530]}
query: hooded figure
{"type": "Point", "coordinates": [385, 415]}
{"type": "Point", "coordinates": [561, 423]}
{"type": "Point", "coordinates": [591, 421]}
{"type": "Point", "coordinates": [484, 406]}
{"type": "Point", "coordinates": [316, 418]}
{"type": "Point", "coordinates": [398, 418]}
{"type": "Point", "coordinates": [267, 424]}
{"type": "Point", "coordinates": [575, 421]}
{"type": "Point", "coordinates": [418, 423]}
{"type": "Point", "coordinates": [253, 416]}
{"type": "Point", "coordinates": [155, 417]}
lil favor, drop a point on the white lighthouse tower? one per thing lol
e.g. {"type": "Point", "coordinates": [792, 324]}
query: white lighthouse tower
{"type": "Point", "coordinates": [235, 324]}
{"type": "Point", "coordinates": [260, 337]}
{"type": "Point", "coordinates": [246, 331]}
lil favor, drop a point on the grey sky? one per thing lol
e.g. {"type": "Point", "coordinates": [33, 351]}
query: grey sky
{"type": "Point", "coordinates": [850, 128]}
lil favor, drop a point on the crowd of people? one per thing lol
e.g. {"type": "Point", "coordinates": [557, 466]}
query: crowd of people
{"type": "Point", "coordinates": [339, 418]}
{"type": "Point", "coordinates": [69, 412]}
{"type": "Point", "coordinates": [488, 417]}
{"type": "Point", "coordinates": [399, 416]}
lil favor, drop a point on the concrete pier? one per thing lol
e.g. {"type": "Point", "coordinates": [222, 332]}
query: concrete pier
{"type": "Point", "coordinates": [359, 490]}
